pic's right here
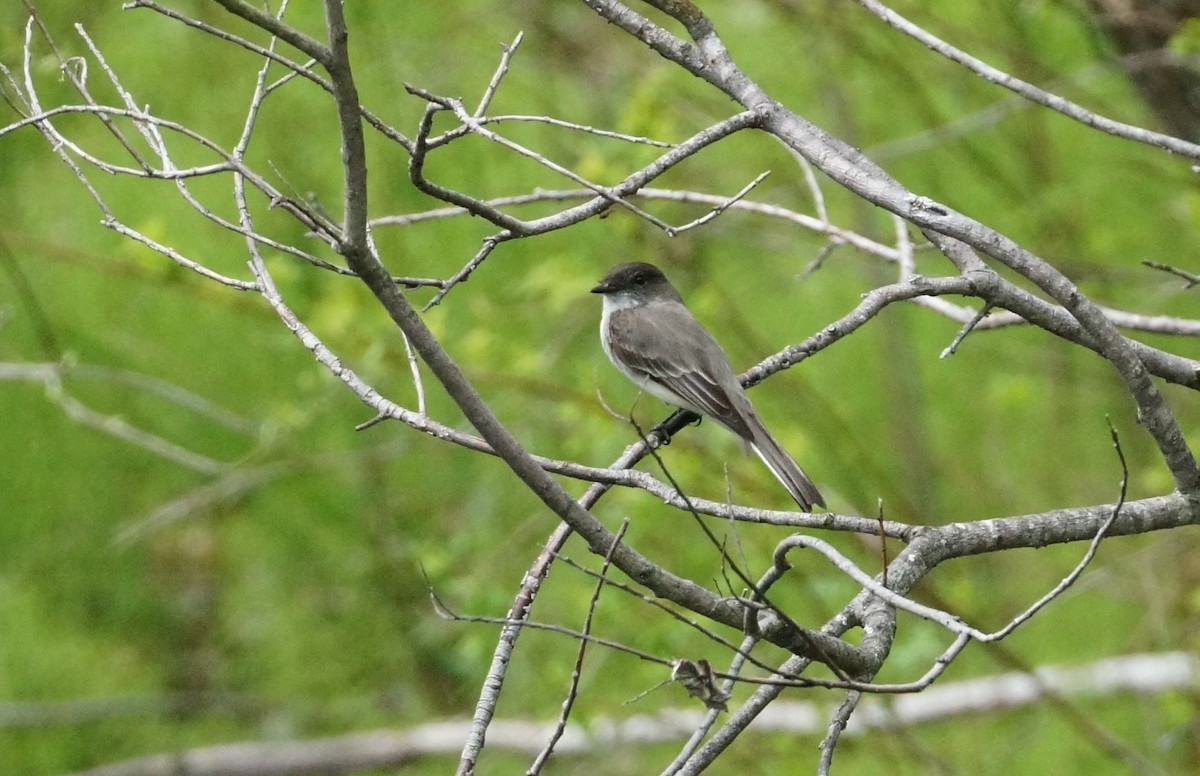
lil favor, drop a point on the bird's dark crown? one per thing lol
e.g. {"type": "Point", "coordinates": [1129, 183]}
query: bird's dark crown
{"type": "Point", "coordinates": [629, 276]}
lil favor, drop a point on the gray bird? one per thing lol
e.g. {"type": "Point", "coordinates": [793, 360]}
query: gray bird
{"type": "Point", "coordinates": [651, 336]}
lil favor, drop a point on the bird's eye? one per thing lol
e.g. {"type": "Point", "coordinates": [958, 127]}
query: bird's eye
{"type": "Point", "coordinates": [640, 279]}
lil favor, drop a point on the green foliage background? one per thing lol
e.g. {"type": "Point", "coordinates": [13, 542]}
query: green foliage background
{"type": "Point", "coordinates": [293, 603]}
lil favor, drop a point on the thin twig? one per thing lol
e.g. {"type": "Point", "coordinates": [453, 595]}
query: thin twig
{"type": "Point", "coordinates": [455, 105]}
{"type": "Point", "coordinates": [79, 79]}
{"type": "Point", "coordinates": [719, 208]}
{"type": "Point", "coordinates": [837, 726]}
{"type": "Point", "coordinates": [1192, 278]}
{"type": "Point", "coordinates": [952, 348]}
{"type": "Point", "coordinates": [485, 250]}
{"type": "Point", "coordinates": [577, 670]}
{"type": "Point", "coordinates": [501, 70]}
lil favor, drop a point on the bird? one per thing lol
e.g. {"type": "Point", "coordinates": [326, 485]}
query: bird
{"type": "Point", "coordinates": [651, 336]}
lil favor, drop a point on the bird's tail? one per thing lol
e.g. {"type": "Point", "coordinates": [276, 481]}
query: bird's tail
{"type": "Point", "coordinates": [786, 470]}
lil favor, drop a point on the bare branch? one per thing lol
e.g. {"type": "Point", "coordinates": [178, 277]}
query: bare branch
{"type": "Point", "coordinates": [1191, 278]}
{"type": "Point", "coordinates": [301, 70]}
{"type": "Point", "coordinates": [501, 71]}
{"type": "Point", "coordinates": [836, 727]}
{"type": "Point", "coordinates": [1144, 674]}
{"type": "Point", "coordinates": [1028, 91]}
{"type": "Point", "coordinates": [50, 376]}
{"type": "Point", "coordinates": [719, 208]}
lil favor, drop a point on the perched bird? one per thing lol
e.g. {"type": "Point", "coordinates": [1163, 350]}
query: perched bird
{"type": "Point", "coordinates": [650, 335]}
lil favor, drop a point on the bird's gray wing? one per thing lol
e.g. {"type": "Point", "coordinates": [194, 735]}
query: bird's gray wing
{"type": "Point", "coordinates": [666, 344]}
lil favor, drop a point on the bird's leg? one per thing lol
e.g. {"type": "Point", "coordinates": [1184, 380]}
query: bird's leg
{"type": "Point", "coordinates": [660, 431]}
{"type": "Point", "coordinates": [663, 430]}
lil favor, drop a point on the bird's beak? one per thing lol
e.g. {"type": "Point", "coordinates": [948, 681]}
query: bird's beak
{"type": "Point", "coordinates": [601, 288]}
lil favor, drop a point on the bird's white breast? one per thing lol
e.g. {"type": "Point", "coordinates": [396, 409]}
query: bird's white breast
{"type": "Point", "coordinates": [614, 303]}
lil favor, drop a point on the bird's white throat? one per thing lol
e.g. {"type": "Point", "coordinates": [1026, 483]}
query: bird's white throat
{"type": "Point", "coordinates": [619, 300]}
{"type": "Point", "coordinates": [615, 302]}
